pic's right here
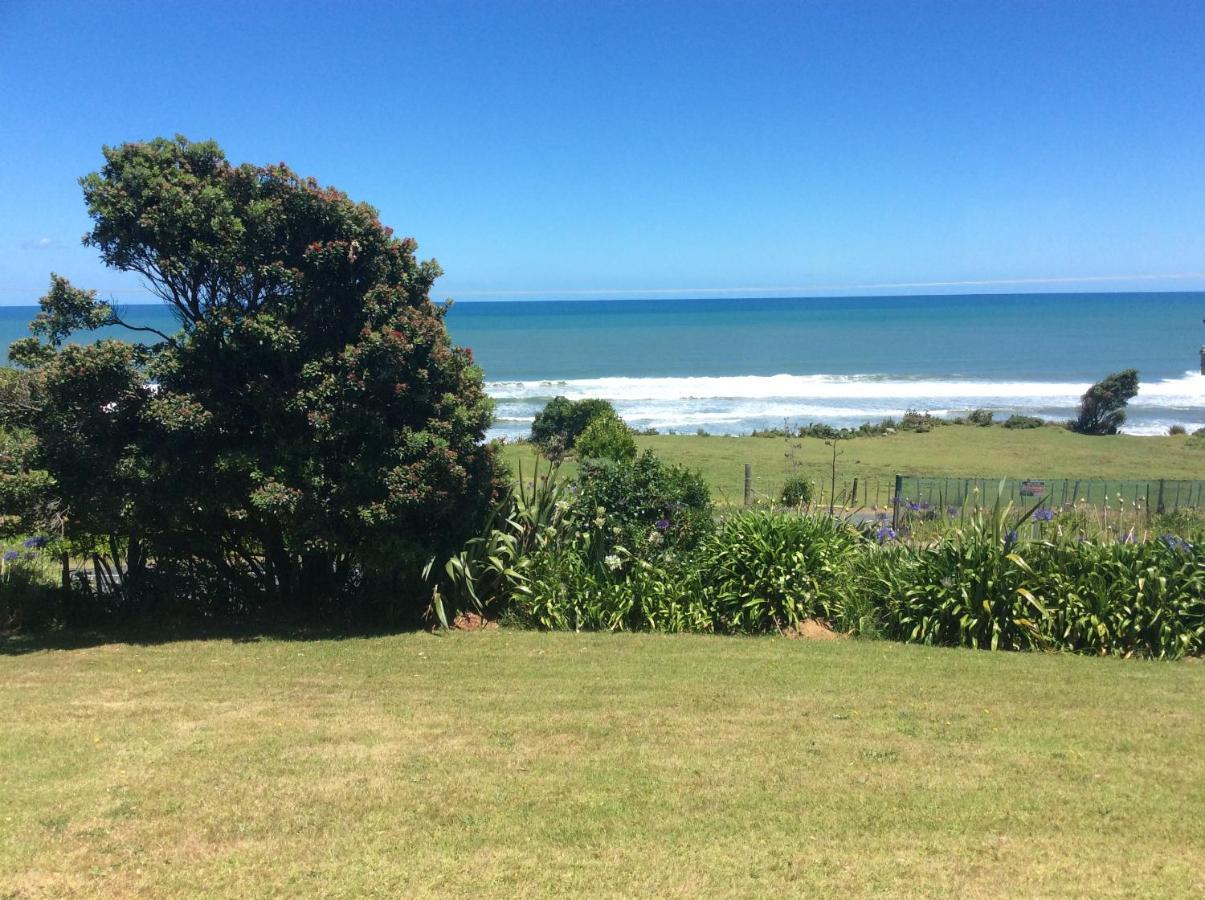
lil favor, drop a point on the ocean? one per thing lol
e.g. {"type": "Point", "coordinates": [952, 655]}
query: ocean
{"type": "Point", "coordinates": [731, 366]}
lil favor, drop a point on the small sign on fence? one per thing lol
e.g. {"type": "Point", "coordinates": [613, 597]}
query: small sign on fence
{"type": "Point", "coordinates": [1033, 488]}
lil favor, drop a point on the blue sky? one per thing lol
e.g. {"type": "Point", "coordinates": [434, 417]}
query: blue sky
{"type": "Point", "coordinates": [606, 149]}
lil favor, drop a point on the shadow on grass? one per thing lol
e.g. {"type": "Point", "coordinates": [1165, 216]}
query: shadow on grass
{"type": "Point", "coordinates": [81, 638]}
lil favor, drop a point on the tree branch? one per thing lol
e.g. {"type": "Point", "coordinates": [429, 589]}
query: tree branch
{"type": "Point", "coordinates": [116, 319]}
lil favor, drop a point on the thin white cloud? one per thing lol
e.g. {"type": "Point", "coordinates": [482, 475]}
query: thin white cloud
{"type": "Point", "coordinates": [41, 243]}
{"type": "Point", "coordinates": [812, 288]}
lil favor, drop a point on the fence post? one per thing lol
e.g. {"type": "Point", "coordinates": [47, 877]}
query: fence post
{"type": "Point", "coordinates": [748, 483]}
{"type": "Point", "coordinates": [854, 493]}
{"type": "Point", "coordinates": [1159, 503]}
{"type": "Point", "coordinates": [895, 502]}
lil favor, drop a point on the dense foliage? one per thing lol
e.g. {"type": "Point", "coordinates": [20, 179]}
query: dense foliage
{"type": "Point", "coordinates": [1102, 408]}
{"type": "Point", "coordinates": [797, 491]}
{"type": "Point", "coordinates": [646, 497]}
{"type": "Point", "coordinates": [1023, 422]}
{"type": "Point", "coordinates": [606, 437]}
{"type": "Point", "coordinates": [309, 437]}
{"type": "Point", "coordinates": [558, 425]}
{"type": "Point", "coordinates": [993, 579]}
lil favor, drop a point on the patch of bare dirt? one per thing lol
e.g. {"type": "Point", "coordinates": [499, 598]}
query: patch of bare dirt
{"type": "Point", "coordinates": [470, 621]}
{"type": "Point", "coordinates": [811, 630]}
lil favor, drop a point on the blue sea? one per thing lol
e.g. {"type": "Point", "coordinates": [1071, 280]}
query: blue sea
{"type": "Point", "coordinates": [730, 366]}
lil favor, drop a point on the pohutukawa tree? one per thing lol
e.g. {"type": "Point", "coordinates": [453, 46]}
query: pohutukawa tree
{"type": "Point", "coordinates": [309, 434]}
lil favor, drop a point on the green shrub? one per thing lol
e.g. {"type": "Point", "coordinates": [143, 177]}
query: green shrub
{"type": "Point", "coordinates": [1125, 599]}
{"type": "Point", "coordinates": [30, 593]}
{"type": "Point", "coordinates": [606, 437]}
{"type": "Point", "coordinates": [980, 417]}
{"type": "Point", "coordinates": [797, 491]}
{"type": "Point", "coordinates": [1177, 429]}
{"type": "Point", "coordinates": [1016, 421]}
{"type": "Point", "coordinates": [763, 571]}
{"type": "Point", "coordinates": [971, 591]}
{"type": "Point", "coordinates": [561, 421]}
{"type": "Point", "coordinates": [646, 497]}
{"type": "Point", "coordinates": [1102, 408]}
{"type": "Point", "coordinates": [912, 420]}
{"type": "Point", "coordinates": [499, 563]}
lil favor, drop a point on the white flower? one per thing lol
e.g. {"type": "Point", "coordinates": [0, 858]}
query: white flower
{"type": "Point", "coordinates": [612, 562]}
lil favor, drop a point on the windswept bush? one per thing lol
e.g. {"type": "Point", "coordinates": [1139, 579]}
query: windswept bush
{"type": "Point", "coordinates": [1102, 408]}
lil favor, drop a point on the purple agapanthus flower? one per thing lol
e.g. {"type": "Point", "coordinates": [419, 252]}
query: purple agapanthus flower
{"type": "Point", "coordinates": [1010, 538]}
{"type": "Point", "coordinates": [914, 507]}
{"type": "Point", "coordinates": [1044, 514]}
{"type": "Point", "coordinates": [36, 542]}
{"type": "Point", "coordinates": [661, 524]}
{"type": "Point", "coordinates": [885, 534]}
{"type": "Point", "coordinates": [11, 556]}
{"type": "Point", "coordinates": [952, 511]}
{"type": "Point", "coordinates": [1175, 542]}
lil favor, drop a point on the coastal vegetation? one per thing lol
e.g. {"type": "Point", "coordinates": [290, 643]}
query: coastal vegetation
{"type": "Point", "coordinates": [305, 441]}
{"type": "Point", "coordinates": [951, 451]}
{"type": "Point", "coordinates": [558, 425]}
{"type": "Point", "coordinates": [309, 445]}
{"type": "Point", "coordinates": [581, 556]}
{"type": "Point", "coordinates": [1102, 408]}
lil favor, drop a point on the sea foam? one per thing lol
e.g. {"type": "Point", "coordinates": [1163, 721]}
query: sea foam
{"type": "Point", "coordinates": [735, 404]}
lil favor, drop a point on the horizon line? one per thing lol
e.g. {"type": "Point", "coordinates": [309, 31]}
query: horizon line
{"type": "Point", "coordinates": [760, 291]}
{"type": "Point", "coordinates": [898, 285]}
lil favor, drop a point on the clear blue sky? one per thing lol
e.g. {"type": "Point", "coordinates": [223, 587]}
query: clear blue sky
{"type": "Point", "coordinates": [546, 149]}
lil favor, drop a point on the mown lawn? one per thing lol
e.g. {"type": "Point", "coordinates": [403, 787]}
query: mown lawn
{"type": "Point", "coordinates": [952, 450]}
{"type": "Point", "coordinates": [523, 763]}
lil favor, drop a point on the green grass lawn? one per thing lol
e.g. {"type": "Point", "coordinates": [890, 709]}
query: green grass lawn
{"type": "Point", "coordinates": [525, 763]}
{"type": "Point", "coordinates": [954, 450]}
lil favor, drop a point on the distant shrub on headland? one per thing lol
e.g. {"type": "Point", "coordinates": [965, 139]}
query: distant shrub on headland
{"type": "Point", "coordinates": [1016, 421]}
{"type": "Point", "coordinates": [912, 420]}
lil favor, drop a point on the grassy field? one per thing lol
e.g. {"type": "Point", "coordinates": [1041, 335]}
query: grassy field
{"type": "Point", "coordinates": [956, 451]}
{"type": "Point", "coordinates": [524, 763]}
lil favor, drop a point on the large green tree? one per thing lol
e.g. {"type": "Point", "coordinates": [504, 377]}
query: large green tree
{"type": "Point", "coordinates": [309, 433]}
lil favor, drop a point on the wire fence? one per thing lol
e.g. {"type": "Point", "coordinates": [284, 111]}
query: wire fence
{"type": "Point", "coordinates": [1151, 495]}
{"type": "Point", "coordinates": [875, 492]}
